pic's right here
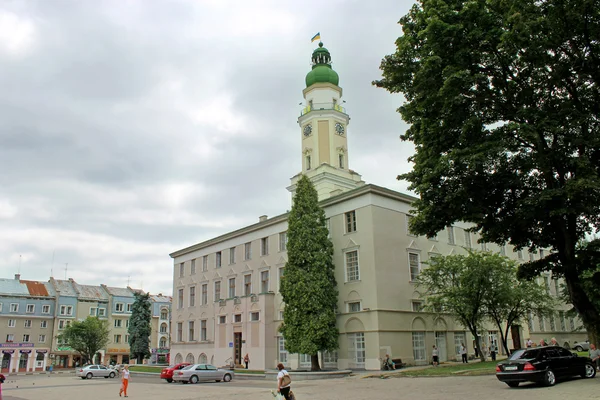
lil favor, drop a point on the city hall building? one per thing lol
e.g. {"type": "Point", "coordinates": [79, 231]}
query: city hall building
{"type": "Point", "coordinates": [226, 300]}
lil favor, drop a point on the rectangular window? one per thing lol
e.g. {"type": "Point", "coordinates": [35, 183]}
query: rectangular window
{"type": "Point", "coordinates": [561, 317]}
{"type": "Point", "coordinates": [282, 355]}
{"type": "Point", "coordinates": [30, 308]}
{"type": "Point", "coordinates": [66, 310]}
{"type": "Point", "coordinates": [520, 254]}
{"type": "Point", "coordinates": [330, 357]}
{"type": "Point", "coordinates": [572, 324]}
{"type": "Point", "coordinates": [248, 251]}
{"type": "Point", "coordinates": [417, 306]}
{"type": "Point", "coordinates": [218, 260]}
{"type": "Point", "coordinates": [118, 323]}
{"type": "Point", "coordinates": [93, 311]}
{"type": "Point", "coordinates": [44, 324]}
{"type": "Point", "coordinates": [204, 263]}
{"type": "Point", "coordinates": [237, 318]}
{"type": "Point", "coordinates": [117, 338]}
{"type": "Point", "coordinates": [547, 284]}
{"type": "Point", "coordinates": [192, 296]}
{"type": "Point", "coordinates": [459, 340]}
{"type": "Point", "coordinates": [181, 270]}
{"type": "Point", "coordinates": [126, 323]}
{"type": "Point", "coordinates": [283, 241]}
{"type": "Point", "coordinates": [62, 324]}
{"type": "Point", "coordinates": [180, 299]}
{"type": "Point", "coordinates": [193, 267]}
{"type": "Point", "coordinates": [180, 331]}
{"type": "Point", "coordinates": [356, 349]}
{"type": "Point", "coordinates": [126, 339]}
{"type": "Point", "coordinates": [264, 246]}
{"type": "Point", "coordinates": [254, 316]}
{"type": "Point", "coordinates": [418, 343]}
{"type": "Point", "coordinates": [129, 307]}
{"type": "Point", "coordinates": [354, 306]}
{"type": "Point", "coordinates": [231, 288]}
{"type": "Point", "coordinates": [352, 269]}
{"type": "Point", "coordinates": [27, 323]}
{"type": "Point", "coordinates": [327, 225]}
{"type": "Point", "coordinates": [217, 290]}
{"type": "Point", "coordinates": [119, 307]}
{"type": "Point", "coordinates": [12, 323]}
{"type": "Point", "coordinates": [556, 287]}
{"type": "Point", "coordinates": [190, 331]}
{"type": "Point", "coordinates": [14, 307]}
{"type": "Point", "coordinates": [42, 339]}
{"type": "Point", "coordinates": [407, 220]}
{"type": "Point", "coordinates": [351, 221]}
{"type": "Point", "coordinates": [247, 285]}
{"type": "Point", "coordinates": [46, 309]}
{"type": "Point", "coordinates": [280, 277]}
{"type": "Point", "coordinates": [552, 323]}
{"type": "Point", "coordinates": [203, 330]}
{"type": "Point", "coordinates": [542, 324]}
{"type": "Point", "coordinates": [264, 281]}
{"type": "Point", "coordinates": [232, 255]}
{"type": "Point", "coordinates": [204, 293]}
{"type": "Point", "coordinates": [414, 264]}
{"type": "Point", "coordinates": [26, 338]}
{"type": "Point", "coordinates": [222, 319]}
{"type": "Point", "coordinates": [102, 312]}
{"type": "Point", "coordinates": [530, 323]}
{"type": "Point", "coordinates": [468, 244]}
{"type": "Point", "coordinates": [10, 338]}
{"type": "Point", "coordinates": [450, 230]}
{"type": "Point", "coordinates": [341, 160]}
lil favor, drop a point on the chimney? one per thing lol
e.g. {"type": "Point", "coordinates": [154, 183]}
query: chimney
{"type": "Point", "coordinates": [262, 218]}
{"type": "Point", "coordinates": [17, 277]}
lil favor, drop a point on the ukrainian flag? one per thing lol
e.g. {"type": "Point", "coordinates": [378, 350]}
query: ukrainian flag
{"type": "Point", "coordinates": [316, 37]}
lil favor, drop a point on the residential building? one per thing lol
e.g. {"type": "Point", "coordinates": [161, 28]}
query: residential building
{"type": "Point", "coordinates": [161, 321]}
{"type": "Point", "coordinates": [120, 304]}
{"type": "Point", "coordinates": [377, 259]}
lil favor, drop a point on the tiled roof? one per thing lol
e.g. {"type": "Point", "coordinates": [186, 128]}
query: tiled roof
{"type": "Point", "coordinates": [160, 299]}
{"type": "Point", "coordinates": [89, 292]}
{"type": "Point", "coordinates": [121, 292]}
{"type": "Point", "coordinates": [13, 286]}
{"type": "Point", "coordinates": [36, 288]}
{"type": "Point", "coordinates": [65, 288]}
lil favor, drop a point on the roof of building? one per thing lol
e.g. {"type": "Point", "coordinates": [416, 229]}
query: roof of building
{"type": "Point", "coordinates": [321, 71]}
{"type": "Point", "coordinates": [36, 288]}
{"type": "Point", "coordinates": [13, 286]}
{"type": "Point", "coordinates": [121, 292]}
{"type": "Point", "coordinates": [89, 292]}
{"type": "Point", "coordinates": [64, 287]}
{"type": "Point", "coordinates": [159, 298]}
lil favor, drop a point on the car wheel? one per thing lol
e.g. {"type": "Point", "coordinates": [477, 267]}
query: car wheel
{"type": "Point", "coordinates": [590, 371]}
{"type": "Point", "coordinates": [512, 384]}
{"type": "Point", "coordinates": [579, 348]}
{"type": "Point", "coordinates": [218, 380]}
{"type": "Point", "coordinates": [549, 378]}
{"type": "Point", "coordinates": [169, 380]}
{"type": "Point", "coordinates": [227, 378]}
{"type": "Point", "coordinates": [89, 375]}
{"type": "Point", "coordinates": [194, 379]}
{"type": "Point", "coordinates": [111, 375]}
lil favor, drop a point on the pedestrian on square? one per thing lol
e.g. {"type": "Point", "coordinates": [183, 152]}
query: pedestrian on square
{"type": "Point", "coordinates": [594, 355]}
{"type": "Point", "coordinates": [246, 360]}
{"type": "Point", "coordinates": [284, 382]}
{"type": "Point", "coordinates": [2, 379]}
{"type": "Point", "coordinates": [463, 353]}
{"type": "Point", "coordinates": [435, 355]}
{"type": "Point", "coordinates": [124, 381]}
{"type": "Point", "coordinates": [493, 350]}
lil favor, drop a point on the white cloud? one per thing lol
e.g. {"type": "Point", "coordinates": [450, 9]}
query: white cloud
{"type": "Point", "coordinates": [17, 34]}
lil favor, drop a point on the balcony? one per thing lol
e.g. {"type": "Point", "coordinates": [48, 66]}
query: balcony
{"type": "Point", "coordinates": [322, 106]}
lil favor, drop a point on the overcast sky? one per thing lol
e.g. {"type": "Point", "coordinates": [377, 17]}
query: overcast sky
{"type": "Point", "coordinates": [131, 129]}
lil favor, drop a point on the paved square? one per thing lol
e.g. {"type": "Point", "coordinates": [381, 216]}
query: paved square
{"type": "Point", "coordinates": [152, 388]}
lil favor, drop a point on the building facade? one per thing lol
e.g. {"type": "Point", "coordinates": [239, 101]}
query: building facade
{"type": "Point", "coordinates": [226, 290]}
{"type": "Point", "coordinates": [161, 321]}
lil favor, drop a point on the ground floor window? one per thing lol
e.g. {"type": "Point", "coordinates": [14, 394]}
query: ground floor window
{"type": "Point", "coordinates": [418, 342]}
{"type": "Point", "coordinates": [283, 354]}
{"type": "Point", "coordinates": [356, 349]}
{"type": "Point", "coordinates": [23, 360]}
{"type": "Point", "coordinates": [178, 358]}
{"type": "Point", "coordinates": [459, 339]}
{"type": "Point", "coordinates": [330, 357]}
{"type": "Point", "coordinates": [189, 358]}
{"type": "Point", "coordinates": [305, 361]}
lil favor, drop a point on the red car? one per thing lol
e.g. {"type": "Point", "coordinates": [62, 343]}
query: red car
{"type": "Point", "coordinates": [167, 373]}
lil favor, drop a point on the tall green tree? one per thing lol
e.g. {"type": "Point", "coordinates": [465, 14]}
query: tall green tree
{"type": "Point", "coordinates": [503, 102]}
{"type": "Point", "coordinates": [139, 327]}
{"type": "Point", "coordinates": [509, 300]}
{"type": "Point", "coordinates": [86, 337]}
{"type": "Point", "coordinates": [308, 287]}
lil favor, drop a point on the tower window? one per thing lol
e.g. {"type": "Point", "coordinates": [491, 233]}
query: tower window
{"type": "Point", "coordinates": [341, 160]}
{"type": "Point", "coordinates": [308, 166]}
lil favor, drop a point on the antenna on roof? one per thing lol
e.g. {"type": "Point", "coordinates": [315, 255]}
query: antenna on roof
{"type": "Point", "coordinates": [128, 279]}
{"type": "Point", "coordinates": [66, 266]}
{"type": "Point", "coordinates": [52, 266]}
{"type": "Point", "coordinates": [19, 271]}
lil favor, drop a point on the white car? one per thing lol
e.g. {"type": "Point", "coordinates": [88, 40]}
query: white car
{"type": "Point", "coordinates": [202, 372]}
{"type": "Point", "coordinates": [581, 346]}
{"type": "Point", "coordinates": [95, 371]}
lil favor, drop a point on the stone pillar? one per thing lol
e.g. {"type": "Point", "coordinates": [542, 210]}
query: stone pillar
{"type": "Point", "coordinates": [31, 359]}
{"type": "Point", "coordinates": [45, 363]}
{"type": "Point", "coordinates": [14, 363]}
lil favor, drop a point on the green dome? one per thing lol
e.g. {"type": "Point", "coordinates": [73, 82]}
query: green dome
{"type": "Point", "coordinates": [321, 70]}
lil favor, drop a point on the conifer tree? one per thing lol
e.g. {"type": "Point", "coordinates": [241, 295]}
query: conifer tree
{"type": "Point", "coordinates": [139, 327]}
{"type": "Point", "coordinates": [308, 287]}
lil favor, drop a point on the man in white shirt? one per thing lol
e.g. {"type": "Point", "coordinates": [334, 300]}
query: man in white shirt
{"type": "Point", "coordinates": [463, 353]}
{"type": "Point", "coordinates": [435, 355]}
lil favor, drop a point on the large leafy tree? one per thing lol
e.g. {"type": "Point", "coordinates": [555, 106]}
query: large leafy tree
{"type": "Point", "coordinates": [139, 327]}
{"type": "Point", "coordinates": [309, 288]}
{"type": "Point", "coordinates": [86, 337]}
{"type": "Point", "coordinates": [503, 102]}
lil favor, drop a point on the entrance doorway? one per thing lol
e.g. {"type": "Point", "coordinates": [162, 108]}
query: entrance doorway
{"type": "Point", "coordinates": [23, 362]}
{"type": "Point", "coordinates": [440, 342]}
{"type": "Point", "coordinates": [39, 362]}
{"type": "Point", "coordinates": [237, 348]}
{"type": "Point", "coordinates": [6, 362]}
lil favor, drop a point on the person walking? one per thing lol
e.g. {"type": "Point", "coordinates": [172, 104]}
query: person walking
{"type": "Point", "coordinates": [435, 355]}
{"type": "Point", "coordinates": [594, 355]}
{"type": "Point", "coordinates": [246, 360]}
{"type": "Point", "coordinates": [463, 353]}
{"type": "Point", "coordinates": [493, 350]}
{"type": "Point", "coordinates": [2, 379]}
{"type": "Point", "coordinates": [284, 382]}
{"type": "Point", "coordinates": [124, 381]}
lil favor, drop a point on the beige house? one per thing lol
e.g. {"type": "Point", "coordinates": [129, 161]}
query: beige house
{"type": "Point", "coordinates": [161, 321]}
{"type": "Point", "coordinates": [226, 290]}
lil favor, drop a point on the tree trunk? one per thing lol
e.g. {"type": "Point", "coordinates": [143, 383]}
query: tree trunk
{"type": "Point", "coordinates": [582, 303]}
{"type": "Point", "coordinates": [314, 362]}
{"type": "Point", "coordinates": [478, 344]}
{"type": "Point", "coordinates": [503, 336]}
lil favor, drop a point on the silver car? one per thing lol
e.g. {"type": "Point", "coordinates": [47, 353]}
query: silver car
{"type": "Point", "coordinates": [202, 372]}
{"type": "Point", "coordinates": [581, 346]}
{"type": "Point", "coordinates": [95, 371]}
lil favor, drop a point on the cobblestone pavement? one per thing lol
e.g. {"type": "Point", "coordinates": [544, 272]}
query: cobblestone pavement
{"type": "Point", "coordinates": [356, 387]}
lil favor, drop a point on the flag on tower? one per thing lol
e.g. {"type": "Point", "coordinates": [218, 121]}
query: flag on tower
{"type": "Point", "coordinates": [316, 37]}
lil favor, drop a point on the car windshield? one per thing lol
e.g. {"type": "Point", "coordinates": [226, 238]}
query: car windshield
{"type": "Point", "coordinates": [524, 354]}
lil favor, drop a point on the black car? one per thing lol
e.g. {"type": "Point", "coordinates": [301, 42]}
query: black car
{"type": "Point", "coordinates": [543, 365]}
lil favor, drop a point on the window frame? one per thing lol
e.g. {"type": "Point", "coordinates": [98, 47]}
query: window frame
{"type": "Point", "coordinates": [347, 253]}
{"type": "Point", "coordinates": [282, 241]}
{"type": "Point", "coordinates": [350, 221]}
{"type": "Point", "coordinates": [410, 266]}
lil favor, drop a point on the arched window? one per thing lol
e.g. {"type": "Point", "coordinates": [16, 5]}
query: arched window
{"type": "Point", "coordinates": [178, 358]}
{"type": "Point", "coordinates": [164, 314]}
{"type": "Point", "coordinates": [202, 359]}
{"type": "Point", "coordinates": [163, 328]}
{"type": "Point", "coordinates": [163, 343]}
{"type": "Point", "coordinates": [189, 358]}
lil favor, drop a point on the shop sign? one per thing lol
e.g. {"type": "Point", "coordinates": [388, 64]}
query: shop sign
{"type": "Point", "coordinates": [160, 351]}
{"type": "Point", "coordinates": [25, 351]}
{"type": "Point", "coordinates": [16, 345]}
{"type": "Point", "coordinates": [117, 351]}
{"type": "Point", "coordinates": [64, 348]}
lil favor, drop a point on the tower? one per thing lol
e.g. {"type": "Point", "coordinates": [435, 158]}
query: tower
{"type": "Point", "coordinates": [323, 128]}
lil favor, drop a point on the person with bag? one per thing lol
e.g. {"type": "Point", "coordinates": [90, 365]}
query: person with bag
{"type": "Point", "coordinates": [284, 382]}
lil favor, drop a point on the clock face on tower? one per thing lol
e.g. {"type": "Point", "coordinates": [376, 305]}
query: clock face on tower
{"type": "Point", "coordinates": [339, 129]}
{"type": "Point", "coordinates": [307, 129]}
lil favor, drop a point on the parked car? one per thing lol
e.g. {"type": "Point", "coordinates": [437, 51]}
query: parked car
{"type": "Point", "coordinates": [202, 372]}
{"type": "Point", "coordinates": [543, 365]}
{"type": "Point", "coordinates": [581, 346]}
{"type": "Point", "coordinates": [167, 373]}
{"type": "Point", "coordinates": [95, 371]}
